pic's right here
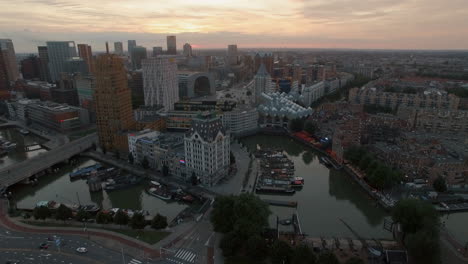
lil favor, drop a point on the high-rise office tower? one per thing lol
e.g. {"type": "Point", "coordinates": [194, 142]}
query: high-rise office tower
{"type": "Point", "coordinates": [59, 52]}
{"type": "Point", "coordinates": [266, 59]}
{"type": "Point", "coordinates": [171, 45]}
{"type": "Point", "coordinates": [232, 54]}
{"type": "Point", "coordinates": [4, 80]}
{"type": "Point", "coordinates": [262, 83]}
{"type": "Point", "coordinates": [30, 67]}
{"type": "Point", "coordinates": [8, 50]}
{"type": "Point", "coordinates": [118, 48]}
{"type": "Point", "coordinates": [160, 83]}
{"type": "Point", "coordinates": [157, 51]}
{"type": "Point", "coordinates": [187, 50]}
{"type": "Point", "coordinates": [138, 54]}
{"type": "Point", "coordinates": [44, 64]}
{"type": "Point", "coordinates": [131, 44]}
{"type": "Point", "coordinates": [113, 101]}
{"type": "Point", "coordinates": [84, 51]}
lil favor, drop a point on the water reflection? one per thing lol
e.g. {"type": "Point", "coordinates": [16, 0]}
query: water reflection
{"type": "Point", "coordinates": [327, 196]}
{"type": "Point", "coordinates": [58, 187]}
{"type": "Point", "coordinates": [19, 154]}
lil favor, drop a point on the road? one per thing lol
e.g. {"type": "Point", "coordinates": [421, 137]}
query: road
{"type": "Point", "coordinates": [24, 247]}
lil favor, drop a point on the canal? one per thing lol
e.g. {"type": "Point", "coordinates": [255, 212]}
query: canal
{"type": "Point", "coordinates": [58, 187]}
{"type": "Point", "coordinates": [19, 154]}
{"type": "Point", "coordinates": [329, 195]}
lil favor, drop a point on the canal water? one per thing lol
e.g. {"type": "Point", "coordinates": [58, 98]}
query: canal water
{"type": "Point", "coordinates": [19, 154]}
{"type": "Point", "coordinates": [329, 195]}
{"type": "Point", "coordinates": [58, 187]}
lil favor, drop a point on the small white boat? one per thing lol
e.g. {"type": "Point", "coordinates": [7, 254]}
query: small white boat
{"type": "Point", "coordinates": [155, 183]}
{"type": "Point", "coordinates": [24, 131]}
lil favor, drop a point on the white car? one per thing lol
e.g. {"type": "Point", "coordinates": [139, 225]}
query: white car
{"type": "Point", "coordinates": [81, 250]}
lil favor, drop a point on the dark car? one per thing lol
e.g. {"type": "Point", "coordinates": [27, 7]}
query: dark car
{"type": "Point", "coordinates": [44, 246]}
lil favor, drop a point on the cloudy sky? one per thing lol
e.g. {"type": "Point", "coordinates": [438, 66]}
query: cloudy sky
{"type": "Point", "coordinates": [379, 24]}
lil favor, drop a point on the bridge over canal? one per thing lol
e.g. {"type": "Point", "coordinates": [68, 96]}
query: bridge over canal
{"type": "Point", "coordinates": [27, 168]}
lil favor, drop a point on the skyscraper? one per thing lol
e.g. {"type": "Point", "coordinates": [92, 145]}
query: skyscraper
{"type": "Point", "coordinates": [131, 45]}
{"type": "Point", "coordinates": [232, 54]}
{"type": "Point", "coordinates": [118, 48]}
{"type": "Point", "coordinates": [264, 58]}
{"type": "Point", "coordinates": [4, 80]}
{"type": "Point", "coordinates": [138, 54]}
{"type": "Point", "coordinates": [262, 83]}
{"type": "Point", "coordinates": [171, 45]}
{"type": "Point", "coordinates": [44, 64]}
{"type": "Point", "coordinates": [59, 52]}
{"type": "Point", "coordinates": [30, 67]}
{"type": "Point", "coordinates": [8, 50]}
{"type": "Point", "coordinates": [157, 51]}
{"type": "Point", "coordinates": [84, 51]}
{"type": "Point", "coordinates": [187, 50]}
{"type": "Point", "coordinates": [113, 102]}
{"type": "Point", "coordinates": [160, 84]}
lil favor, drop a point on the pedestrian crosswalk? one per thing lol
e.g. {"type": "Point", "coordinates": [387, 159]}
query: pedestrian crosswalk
{"type": "Point", "coordinates": [183, 256]}
{"type": "Point", "coordinates": [135, 261]}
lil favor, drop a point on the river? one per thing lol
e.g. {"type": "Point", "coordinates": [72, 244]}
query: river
{"type": "Point", "coordinates": [19, 154]}
{"type": "Point", "coordinates": [329, 195]}
{"type": "Point", "coordinates": [58, 187]}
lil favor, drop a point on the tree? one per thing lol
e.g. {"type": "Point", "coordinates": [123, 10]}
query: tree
{"type": "Point", "coordinates": [440, 185]}
{"type": "Point", "coordinates": [365, 162]}
{"type": "Point", "coordinates": [303, 255]}
{"type": "Point", "coordinates": [104, 150]}
{"type": "Point", "coordinates": [41, 212]}
{"type": "Point", "coordinates": [82, 215]}
{"type": "Point", "coordinates": [165, 170]}
{"type": "Point", "coordinates": [230, 244]}
{"type": "Point", "coordinates": [354, 260]}
{"type": "Point", "coordinates": [194, 179]}
{"type": "Point", "coordinates": [131, 159]}
{"type": "Point", "coordinates": [256, 248]}
{"type": "Point", "coordinates": [63, 213]}
{"type": "Point", "coordinates": [159, 222]}
{"type": "Point", "coordinates": [248, 93]}
{"type": "Point", "coordinates": [228, 95]}
{"type": "Point", "coordinates": [281, 252]}
{"type": "Point", "coordinates": [93, 146]}
{"type": "Point", "coordinates": [121, 218]}
{"type": "Point", "coordinates": [117, 154]}
{"type": "Point", "coordinates": [423, 246]}
{"type": "Point", "coordinates": [310, 127]}
{"type": "Point", "coordinates": [296, 124]}
{"type": "Point", "coordinates": [138, 221]}
{"type": "Point", "coordinates": [307, 157]}
{"type": "Point", "coordinates": [414, 215]}
{"type": "Point", "coordinates": [103, 218]}
{"type": "Point", "coordinates": [145, 163]}
{"type": "Point", "coordinates": [327, 258]}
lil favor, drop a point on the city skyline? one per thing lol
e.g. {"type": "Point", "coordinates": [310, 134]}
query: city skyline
{"type": "Point", "coordinates": [401, 24]}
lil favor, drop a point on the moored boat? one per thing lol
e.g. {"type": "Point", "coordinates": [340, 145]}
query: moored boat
{"type": "Point", "coordinates": [24, 131]}
{"type": "Point", "coordinates": [160, 193]}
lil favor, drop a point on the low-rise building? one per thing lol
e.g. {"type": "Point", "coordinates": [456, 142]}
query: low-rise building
{"type": "Point", "coordinates": [241, 120]}
{"type": "Point", "coordinates": [56, 116]}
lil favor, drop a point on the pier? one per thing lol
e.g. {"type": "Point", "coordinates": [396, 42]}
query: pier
{"type": "Point", "coordinates": [281, 203]}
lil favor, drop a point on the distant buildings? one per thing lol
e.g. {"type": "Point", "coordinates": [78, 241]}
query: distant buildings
{"type": "Point", "coordinates": [207, 149]}
{"type": "Point", "coordinates": [266, 59]}
{"type": "Point", "coordinates": [4, 80]}
{"type": "Point", "coordinates": [118, 48]}
{"type": "Point", "coordinates": [113, 103]}
{"type": "Point", "coordinates": [171, 45]}
{"type": "Point", "coordinates": [76, 65]}
{"type": "Point", "coordinates": [195, 84]}
{"type": "Point", "coordinates": [232, 55]}
{"type": "Point", "coordinates": [262, 83]}
{"type": "Point", "coordinates": [85, 52]}
{"type": "Point", "coordinates": [9, 59]}
{"type": "Point", "coordinates": [187, 50]}
{"type": "Point", "coordinates": [138, 54]}
{"type": "Point", "coordinates": [373, 96]}
{"type": "Point", "coordinates": [85, 89]}
{"type": "Point", "coordinates": [44, 64]}
{"type": "Point", "coordinates": [59, 52]}
{"type": "Point", "coordinates": [131, 44]}
{"type": "Point", "coordinates": [157, 51]}
{"type": "Point", "coordinates": [30, 68]}
{"type": "Point", "coordinates": [160, 82]}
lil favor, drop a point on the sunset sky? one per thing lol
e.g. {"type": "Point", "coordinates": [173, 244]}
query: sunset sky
{"type": "Point", "coordinates": [379, 24]}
